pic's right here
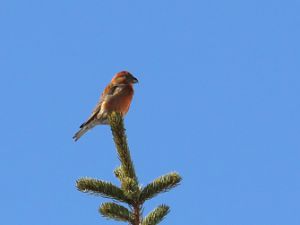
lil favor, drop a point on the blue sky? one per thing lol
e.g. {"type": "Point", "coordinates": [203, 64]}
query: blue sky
{"type": "Point", "coordinates": [218, 101]}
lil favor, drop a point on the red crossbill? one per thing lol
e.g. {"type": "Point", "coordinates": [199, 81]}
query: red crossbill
{"type": "Point", "coordinates": [116, 97]}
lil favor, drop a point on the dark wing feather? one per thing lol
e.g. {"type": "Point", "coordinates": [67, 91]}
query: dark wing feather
{"type": "Point", "coordinates": [108, 92]}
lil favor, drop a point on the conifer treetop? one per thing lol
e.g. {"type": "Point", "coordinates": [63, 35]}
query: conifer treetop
{"type": "Point", "coordinates": [130, 192]}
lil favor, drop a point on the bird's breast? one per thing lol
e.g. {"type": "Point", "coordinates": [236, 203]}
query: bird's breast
{"type": "Point", "coordinates": [120, 102]}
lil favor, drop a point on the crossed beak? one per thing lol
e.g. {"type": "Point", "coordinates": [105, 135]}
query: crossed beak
{"type": "Point", "coordinates": [134, 80]}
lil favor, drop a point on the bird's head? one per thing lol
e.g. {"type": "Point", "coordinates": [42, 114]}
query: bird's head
{"type": "Point", "coordinates": [124, 77]}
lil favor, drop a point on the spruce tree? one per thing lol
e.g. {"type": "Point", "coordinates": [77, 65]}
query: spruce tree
{"type": "Point", "coordinates": [130, 193]}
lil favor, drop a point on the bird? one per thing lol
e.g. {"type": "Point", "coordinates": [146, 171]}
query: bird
{"type": "Point", "coordinates": [117, 96]}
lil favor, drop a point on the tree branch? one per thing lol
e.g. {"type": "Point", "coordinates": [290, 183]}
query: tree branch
{"type": "Point", "coordinates": [160, 185]}
{"type": "Point", "coordinates": [102, 188]}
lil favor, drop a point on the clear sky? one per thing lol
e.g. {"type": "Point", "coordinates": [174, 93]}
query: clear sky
{"type": "Point", "coordinates": [218, 101]}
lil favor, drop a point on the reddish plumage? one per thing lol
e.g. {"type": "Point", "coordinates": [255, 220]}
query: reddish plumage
{"type": "Point", "coordinates": [116, 96]}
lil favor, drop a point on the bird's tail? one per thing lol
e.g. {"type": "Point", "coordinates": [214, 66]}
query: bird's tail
{"type": "Point", "coordinates": [88, 126]}
{"type": "Point", "coordinates": [81, 132]}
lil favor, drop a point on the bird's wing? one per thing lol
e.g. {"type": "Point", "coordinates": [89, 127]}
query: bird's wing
{"type": "Point", "coordinates": [109, 91]}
